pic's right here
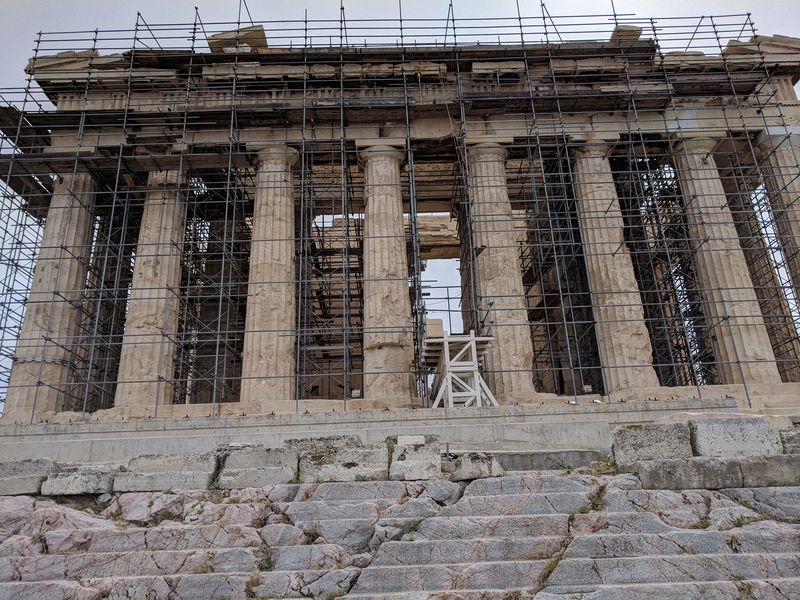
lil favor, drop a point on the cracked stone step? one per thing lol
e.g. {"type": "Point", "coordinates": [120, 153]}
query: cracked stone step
{"type": "Point", "coordinates": [530, 483]}
{"type": "Point", "coordinates": [679, 568]}
{"type": "Point", "coordinates": [49, 567]}
{"type": "Point", "coordinates": [518, 504]}
{"type": "Point", "coordinates": [440, 552]}
{"type": "Point", "coordinates": [750, 540]}
{"type": "Point", "coordinates": [460, 528]}
{"type": "Point", "coordinates": [468, 576]}
{"type": "Point", "coordinates": [173, 537]}
{"type": "Point", "coordinates": [753, 589]}
{"type": "Point", "coordinates": [314, 557]}
{"type": "Point", "coordinates": [263, 584]}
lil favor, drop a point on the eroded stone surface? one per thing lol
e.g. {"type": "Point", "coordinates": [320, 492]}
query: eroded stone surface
{"type": "Point", "coordinates": [734, 436]}
{"type": "Point", "coordinates": [257, 466]}
{"type": "Point", "coordinates": [651, 441]}
{"type": "Point", "coordinates": [475, 465]}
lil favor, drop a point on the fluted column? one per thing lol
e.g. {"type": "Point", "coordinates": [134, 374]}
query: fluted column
{"type": "Point", "coordinates": [501, 297]}
{"type": "Point", "coordinates": [781, 157]}
{"type": "Point", "coordinates": [40, 374]}
{"type": "Point", "coordinates": [268, 359]}
{"type": "Point", "coordinates": [622, 337]}
{"type": "Point", "coordinates": [388, 338]}
{"type": "Point", "coordinates": [741, 344]}
{"type": "Point", "coordinates": [147, 359]}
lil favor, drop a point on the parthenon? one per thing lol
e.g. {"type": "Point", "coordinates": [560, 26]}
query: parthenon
{"type": "Point", "coordinates": [243, 221]}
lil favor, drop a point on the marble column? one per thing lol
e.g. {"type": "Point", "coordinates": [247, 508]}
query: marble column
{"type": "Point", "coordinates": [501, 296]}
{"type": "Point", "coordinates": [739, 337]}
{"type": "Point", "coordinates": [388, 335]}
{"type": "Point", "coordinates": [41, 369]}
{"type": "Point", "coordinates": [147, 359]}
{"type": "Point", "coordinates": [780, 156]}
{"type": "Point", "coordinates": [623, 341]}
{"type": "Point", "coordinates": [268, 359]}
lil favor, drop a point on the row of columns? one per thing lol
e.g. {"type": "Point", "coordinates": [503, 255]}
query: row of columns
{"type": "Point", "coordinates": [739, 336]}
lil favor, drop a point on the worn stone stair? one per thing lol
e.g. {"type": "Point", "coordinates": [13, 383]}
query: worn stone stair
{"type": "Point", "coordinates": [543, 535]}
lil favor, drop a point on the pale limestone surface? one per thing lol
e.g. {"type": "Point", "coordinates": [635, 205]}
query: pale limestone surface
{"type": "Point", "coordinates": [25, 476]}
{"type": "Point", "coordinates": [475, 465]}
{"type": "Point", "coordinates": [736, 436]}
{"type": "Point", "coordinates": [147, 358]}
{"type": "Point", "coordinates": [416, 457]}
{"type": "Point", "coordinates": [51, 316]}
{"type": "Point", "coordinates": [622, 337]}
{"type": "Point", "coordinates": [257, 466]}
{"type": "Point", "coordinates": [268, 360]}
{"type": "Point", "coordinates": [651, 441]}
{"type": "Point", "coordinates": [166, 472]}
{"type": "Point", "coordinates": [388, 337]}
{"type": "Point", "coordinates": [91, 479]}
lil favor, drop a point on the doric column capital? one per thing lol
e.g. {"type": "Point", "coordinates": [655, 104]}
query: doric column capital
{"type": "Point", "coordinates": [281, 154]}
{"type": "Point", "coordinates": [172, 177]}
{"type": "Point", "coordinates": [372, 152]}
{"type": "Point", "coordinates": [696, 145]}
{"type": "Point", "coordinates": [592, 149]}
{"type": "Point", "coordinates": [487, 150]}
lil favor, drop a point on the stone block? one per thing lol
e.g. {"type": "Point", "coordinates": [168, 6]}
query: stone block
{"type": "Point", "coordinates": [128, 481]}
{"type": "Point", "coordinates": [734, 436]}
{"type": "Point", "coordinates": [171, 463]}
{"type": "Point", "coordinates": [158, 472]}
{"type": "Point", "coordinates": [94, 479]}
{"type": "Point", "coordinates": [791, 441]}
{"type": "Point", "coordinates": [416, 457]}
{"type": "Point", "coordinates": [769, 471]}
{"type": "Point", "coordinates": [476, 465]}
{"type": "Point", "coordinates": [320, 462]}
{"type": "Point", "coordinates": [25, 476]}
{"type": "Point", "coordinates": [651, 441]}
{"type": "Point", "coordinates": [692, 473]}
{"type": "Point", "coordinates": [258, 466]}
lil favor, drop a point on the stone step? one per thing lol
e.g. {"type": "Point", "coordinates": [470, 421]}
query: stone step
{"type": "Point", "coordinates": [468, 576]}
{"type": "Point", "coordinates": [751, 589]}
{"type": "Point", "coordinates": [458, 527]}
{"type": "Point", "coordinates": [440, 552]}
{"type": "Point", "coordinates": [465, 528]}
{"type": "Point", "coordinates": [51, 567]}
{"type": "Point", "coordinates": [629, 545]}
{"type": "Point", "coordinates": [518, 504]}
{"type": "Point", "coordinates": [530, 483]}
{"type": "Point", "coordinates": [171, 537]}
{"type": "Point", "coordinates": [678, 568]}
{"type": "Point", "coordinates": [206, 586]}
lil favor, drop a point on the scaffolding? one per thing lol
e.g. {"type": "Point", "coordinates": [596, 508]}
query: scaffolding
{"type": "Point", "coordinates": [118, 105]}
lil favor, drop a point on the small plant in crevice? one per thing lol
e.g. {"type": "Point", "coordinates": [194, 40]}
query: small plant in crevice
{"type": "Point", "coordinates": [265, 562]}
{"type": "Point", "coordinates": [251, 585]}
{"type": "Point", "coordinates": [207, 566]}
